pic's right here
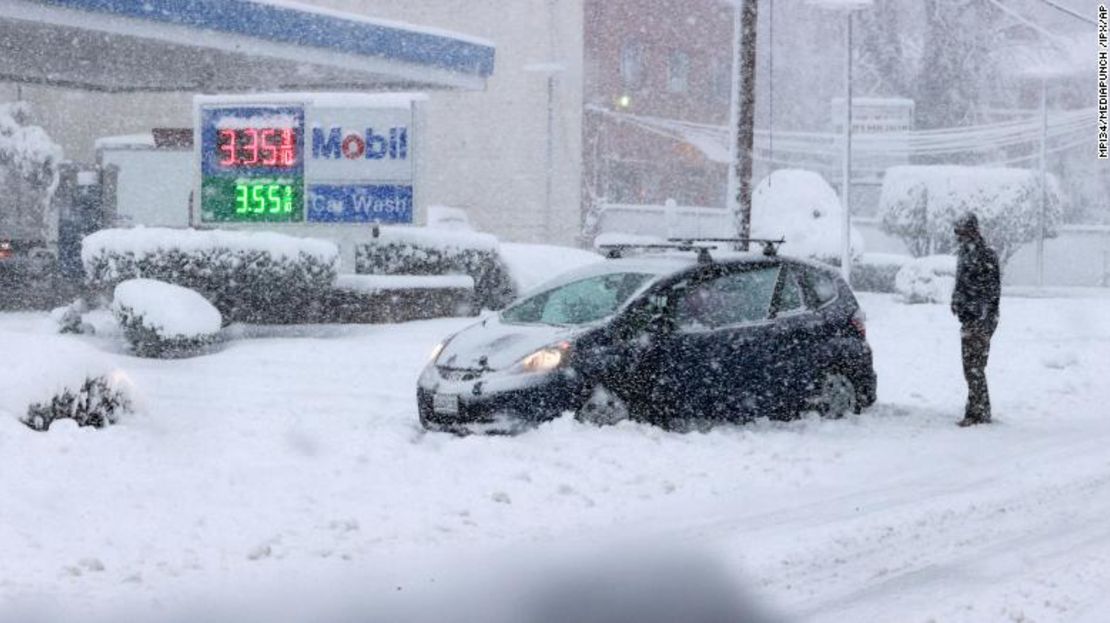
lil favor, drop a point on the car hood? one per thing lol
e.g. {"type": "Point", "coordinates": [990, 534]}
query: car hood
{"type": "Point", "coordinates": [496, 345]}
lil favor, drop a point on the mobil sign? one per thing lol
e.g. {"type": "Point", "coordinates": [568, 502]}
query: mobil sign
{"type": "Point", "coordinates": [359, 164]}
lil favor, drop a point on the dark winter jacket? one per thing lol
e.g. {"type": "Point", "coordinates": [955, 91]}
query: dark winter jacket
{"type": "Point", "coordinates": [978, 283]}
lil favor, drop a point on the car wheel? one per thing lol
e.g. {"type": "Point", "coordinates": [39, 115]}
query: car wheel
{"type": "Point", "coordinates": [602, 408]}
{"type": "Point", "coordinates": [835, 396]}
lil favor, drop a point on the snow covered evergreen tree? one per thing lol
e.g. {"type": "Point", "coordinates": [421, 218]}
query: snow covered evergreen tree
{"type": "Point", "coordinates": [28, 175]}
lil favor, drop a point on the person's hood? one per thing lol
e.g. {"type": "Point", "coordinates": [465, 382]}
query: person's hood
{"type": "Point", "coordinates": [496, 345]}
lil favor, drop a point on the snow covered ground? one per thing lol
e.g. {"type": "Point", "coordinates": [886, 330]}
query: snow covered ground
{"type": "Point", "coordinates": [290, 462]}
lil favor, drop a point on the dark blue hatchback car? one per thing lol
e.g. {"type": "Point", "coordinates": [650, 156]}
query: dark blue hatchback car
{"type": "Point", "coordinates": [673, 340]}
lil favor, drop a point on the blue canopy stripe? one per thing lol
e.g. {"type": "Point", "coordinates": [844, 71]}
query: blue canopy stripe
{"type": "Point", "coordinates": [291, 25]}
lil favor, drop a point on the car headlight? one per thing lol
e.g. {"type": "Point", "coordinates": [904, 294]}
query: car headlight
{"type": "Point", "coordinates": [544, 360]}
{"type": "Point", "coordinates": [436, 351]}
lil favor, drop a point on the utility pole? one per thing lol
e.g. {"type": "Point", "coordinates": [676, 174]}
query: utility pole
{"type": "Point", "coordinates": [1041, 220]}
{"type": "Point", "coordinates": [846, 173]}
{"type": "Point", "coordinates": [744, 115]}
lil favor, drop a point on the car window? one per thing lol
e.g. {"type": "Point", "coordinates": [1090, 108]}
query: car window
{"type": "Point", "coordinates": [821, 285]}
{"type": "Point", "coordinates": [736, 298]}
{"type": "Point", "coordinates": [578, 302]}
{"type": "Point", "coordinates": [790, 296]}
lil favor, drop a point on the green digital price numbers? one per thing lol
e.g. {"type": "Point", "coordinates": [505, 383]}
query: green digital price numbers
{"type": "Point", "coordinates": [259, 199]}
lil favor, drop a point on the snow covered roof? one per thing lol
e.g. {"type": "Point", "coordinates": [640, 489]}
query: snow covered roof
{"type": "Point", "coordinates": [142, 139]}
{"type": "Point", "coordinates": [217, 45]}
{"type": "Point", "coordinates": [403, 101]}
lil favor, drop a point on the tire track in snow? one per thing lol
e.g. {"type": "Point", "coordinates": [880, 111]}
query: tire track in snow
{"type": "Point", "coordinates": [831, 558]}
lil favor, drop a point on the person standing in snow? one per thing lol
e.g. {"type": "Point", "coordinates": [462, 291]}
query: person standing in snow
{"type": "Point", "coordinates": [975, 304]}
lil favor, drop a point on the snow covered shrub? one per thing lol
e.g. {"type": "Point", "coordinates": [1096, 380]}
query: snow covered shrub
{"type": "Point", "coordinates": [70, 318]}
{"type": "Point", "coordinates": [249, 276]}
{"type": "Point", "coordinates": [97, 402]}
{"type": "Point", "coordinates": [801, 206]}
{"type": "Point", "coordinates": [422, 251]}
{"type": "Point", "coordinates": [58, 377]}
{"type": "Point", "coordinates": [927, 279]}
{"type": "Point", "coordinates": [919, 204]}
{"type": "Point", "coordinates": [28, 174]}
{"type": "Point", "coordinates": [876, 272]}
{"type": "Point", "coordinates": [162, 320]}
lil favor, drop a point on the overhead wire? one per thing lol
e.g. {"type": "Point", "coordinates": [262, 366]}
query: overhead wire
{"type": "Point", "coordinates": [1071, 12]}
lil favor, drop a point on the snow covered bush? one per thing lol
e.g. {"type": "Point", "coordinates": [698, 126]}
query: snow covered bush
{"type": "Point", "coordinates": [249, 276]}
{"type": "Point", "coordinates": [162, 320]}
{"type": "Point", "coordinates": [920, 203]}
{"type": "Point", "coordinates": [927, 279]}
{"type": "Point", "coordinates": [876, 272]}
{"type": "Point", "coordinates": [423, 251]}
{"type": "Point", "coordinates": [801, 206]}
{"type": "Point", "coordinates": [400, 298]}
{"type": "Point", "coordinates": [60, 378]}
{"type": "Point", "coordinates": [97, 402]}
{"type": "Point", "coordinates": [70, 317]}
{"type": "Point", "coordinates": [28, 174]}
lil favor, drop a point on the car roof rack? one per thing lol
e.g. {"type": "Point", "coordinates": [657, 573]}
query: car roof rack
{"type": "Point", "coordinates": [770, 246]}
{"type": "Point", "coordinates": [616, 251]}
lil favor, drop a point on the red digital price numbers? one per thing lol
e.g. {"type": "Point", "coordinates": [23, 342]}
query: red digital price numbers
{"type": "Point", "coordinates": [257, 147]}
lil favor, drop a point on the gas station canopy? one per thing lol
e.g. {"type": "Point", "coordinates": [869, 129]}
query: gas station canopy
{"type": "Point", "coordinates": [122, 46]}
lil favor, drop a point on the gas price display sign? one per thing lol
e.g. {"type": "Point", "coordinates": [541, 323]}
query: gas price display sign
{"type": "Point", "coordinates": [331, 160]}
{"type": "Point", "coordinates": [252, 164]}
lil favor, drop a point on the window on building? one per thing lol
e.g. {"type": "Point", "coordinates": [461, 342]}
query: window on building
{"type": "Point", "coordinates": [632, 64]}
{"type": "Point", "coordinates": [678, 72]}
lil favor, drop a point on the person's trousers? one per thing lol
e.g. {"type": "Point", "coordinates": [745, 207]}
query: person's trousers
{"type": "Point", "coordinates": [976, 347]}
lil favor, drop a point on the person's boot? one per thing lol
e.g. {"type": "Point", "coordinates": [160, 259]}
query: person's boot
{"type": "Point", "coordinates": [967, 421]}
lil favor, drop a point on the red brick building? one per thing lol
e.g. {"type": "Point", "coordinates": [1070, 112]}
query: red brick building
{"type": "Point", "coordinates": [662, 59]}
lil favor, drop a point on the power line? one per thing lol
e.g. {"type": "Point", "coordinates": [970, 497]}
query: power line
{"type": "Point", "coordinates": [1071, 12]}
{"type": "Point", "coordinates": [1019, 17]}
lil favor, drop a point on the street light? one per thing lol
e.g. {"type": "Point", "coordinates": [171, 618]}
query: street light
{"type": "Point", "coordinates": [848, 7]}
{"type": "Point", "coordinates": [1054, 59]}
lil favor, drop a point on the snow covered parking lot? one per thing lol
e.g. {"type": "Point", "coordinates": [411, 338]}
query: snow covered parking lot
{"type": "Point", "coordinates": [293, 457]}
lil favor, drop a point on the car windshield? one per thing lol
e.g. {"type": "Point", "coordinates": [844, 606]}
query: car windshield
{"type": "Point", "coordinates": [578, 302]}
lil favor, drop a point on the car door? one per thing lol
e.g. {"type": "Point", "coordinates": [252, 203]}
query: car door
{"type": "Point", "coordinates": [795, 342]}
{"type": "Point", "coordinates": [710, 363]}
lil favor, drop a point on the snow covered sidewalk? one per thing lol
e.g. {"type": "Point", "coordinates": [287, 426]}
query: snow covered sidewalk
{"type": "Point", "coordinates": [292, 457]}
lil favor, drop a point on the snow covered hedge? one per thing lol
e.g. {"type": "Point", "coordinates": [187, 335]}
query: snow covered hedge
{"type": "Point", "coordinates": [400, 298]}
{"type": "Point", "coordinates": [927, 279]}
{"type": "Point", "coordinates": [801, 206]}
{"type": "Point", "coordinates": [60, 378]}
{"type": "Point", "coordinates": [248, 276]}
{"type": "Point", "coordinates": [162, 320]}
{"type": "Point", "coordinates": [920, 203]}
{"type": "Point", "coordinates": [876, 272]}
{"type": "Point", "coordinates": [423, 251]}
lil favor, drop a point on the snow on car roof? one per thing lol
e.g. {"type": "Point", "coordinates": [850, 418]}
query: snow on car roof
{"type": "Point", "coordinates": [660, 265]}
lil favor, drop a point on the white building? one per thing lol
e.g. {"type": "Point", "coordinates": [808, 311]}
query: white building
{"type": "Point", "coordinates": [498, 154]}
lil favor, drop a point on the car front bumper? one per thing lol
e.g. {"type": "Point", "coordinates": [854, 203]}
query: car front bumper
{"type": "Point", "coordinates": [496, 404]}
